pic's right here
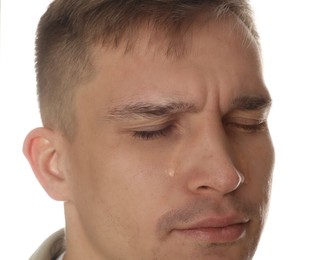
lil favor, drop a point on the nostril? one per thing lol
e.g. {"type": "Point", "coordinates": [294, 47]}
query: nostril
{"type": "Point", "coordinates": [225, 181]}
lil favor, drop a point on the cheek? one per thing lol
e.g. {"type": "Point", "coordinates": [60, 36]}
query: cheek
{"type": "Point", "coordinates": [118, 181]}
{"type": "Point", "coordinates": [256, 160]}
{"type": "Point", "coordinates": [118, 195]}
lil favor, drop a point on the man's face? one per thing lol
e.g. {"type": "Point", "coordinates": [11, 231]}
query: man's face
{"type": "Point", "coordinates": [159, 147]}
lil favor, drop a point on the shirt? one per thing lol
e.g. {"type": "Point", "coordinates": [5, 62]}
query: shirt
{"type": "Point", "coordinates": [51, 248]}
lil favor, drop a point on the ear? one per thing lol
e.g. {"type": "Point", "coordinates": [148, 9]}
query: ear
{"type": "Point", "coordinates": [43, 149]}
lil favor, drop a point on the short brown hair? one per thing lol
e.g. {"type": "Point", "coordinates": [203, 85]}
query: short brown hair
{"type": "Point", "coordinates": [70, 27]}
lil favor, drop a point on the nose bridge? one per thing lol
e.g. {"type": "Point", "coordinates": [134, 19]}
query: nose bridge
{"type": "Point", "coordinates": [210, 162]}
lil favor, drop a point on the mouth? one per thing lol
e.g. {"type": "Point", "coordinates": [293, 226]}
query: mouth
{"type": "Point", "coordinates": [219, 230]}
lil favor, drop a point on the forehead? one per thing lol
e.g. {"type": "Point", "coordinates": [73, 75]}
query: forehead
{"type": "Point", "coordinates": [226, 40]}
{"type": "Point", "coordinates": [179, 43]}
{"type": "Point", "coordinates": [212, 54]}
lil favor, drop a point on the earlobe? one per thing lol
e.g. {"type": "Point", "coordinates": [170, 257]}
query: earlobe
{"type": "Point", "coordinates": [42, 150]}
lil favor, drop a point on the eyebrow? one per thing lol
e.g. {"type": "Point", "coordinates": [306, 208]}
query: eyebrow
{"type": "Point", "coordinates": [252, 102]}
{"type": "Point", "coordinates": [150, 110]}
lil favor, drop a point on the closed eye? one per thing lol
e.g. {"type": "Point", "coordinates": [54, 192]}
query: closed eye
{"type": "Point", "coordinates": [153, 134]}
{"type": "Point", "coordinates": [246, 125]}
{"type": "Point", "coordinates": [249, 128]}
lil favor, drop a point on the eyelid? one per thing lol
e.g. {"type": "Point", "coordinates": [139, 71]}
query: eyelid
{"type": "Point", "coordinates": [150, 127]}
{"type": "Point", "coordinates": [247, 117]}
{"type": "Point", "coordinates": [244, 120]}
{"type": "Point", "coordinates": [150, 135]}
{"type": "Point", "coordinates": [245, 125]}
{"type": "Point", "coordinates": [260, 114]}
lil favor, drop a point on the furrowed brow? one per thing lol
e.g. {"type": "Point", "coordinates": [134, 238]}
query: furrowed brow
{"type": "Point", "coordinates": [252, 102]}
{"type": "Point", "coordinates": [150, 110]}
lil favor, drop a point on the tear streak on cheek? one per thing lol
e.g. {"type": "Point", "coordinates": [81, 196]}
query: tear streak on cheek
{"type": "Point", "coordinates": [170, 172]}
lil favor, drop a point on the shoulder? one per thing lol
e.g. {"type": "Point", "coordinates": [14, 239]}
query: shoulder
{"type": "Point", "coordinates": [51, 248]}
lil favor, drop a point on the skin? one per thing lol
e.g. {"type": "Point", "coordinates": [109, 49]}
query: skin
{"type": "Point", "coordinates": [136, 176]}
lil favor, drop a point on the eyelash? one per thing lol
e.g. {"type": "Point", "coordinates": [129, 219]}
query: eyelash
{"type": "Point", "coordinates": [149, 135]}
{"type": "Point", "coordinates": [249, 128]}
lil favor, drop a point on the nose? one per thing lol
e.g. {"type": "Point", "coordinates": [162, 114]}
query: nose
{"type": "Point", "coordinates": [210, 164]}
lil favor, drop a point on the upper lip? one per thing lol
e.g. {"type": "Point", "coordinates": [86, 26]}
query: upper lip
{"type": "Point", "coordinates": [216, 222]}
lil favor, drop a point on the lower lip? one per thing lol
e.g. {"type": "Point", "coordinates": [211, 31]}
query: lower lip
{"type": "Point", "coordinates": [217, 235]}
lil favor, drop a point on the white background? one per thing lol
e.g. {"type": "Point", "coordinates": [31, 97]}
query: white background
{"type": "Point", "coordinates": [28, 215]}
